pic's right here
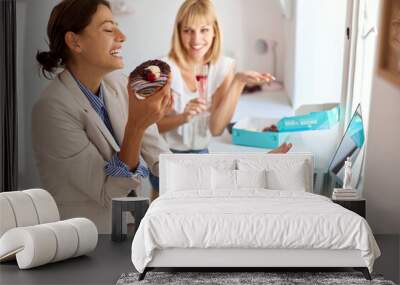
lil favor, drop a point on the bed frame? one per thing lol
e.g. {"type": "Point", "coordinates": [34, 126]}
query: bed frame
{"type": "Point", "coordinates": [242, 259]}
{"type": "Point", "coordinates": [245, 259]}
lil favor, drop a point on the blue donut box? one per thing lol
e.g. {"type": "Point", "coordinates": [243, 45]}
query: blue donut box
{"type": "Point", "coordinates": [248, 132]}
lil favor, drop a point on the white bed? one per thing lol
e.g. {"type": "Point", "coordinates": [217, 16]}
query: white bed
{"type": "Point", "coordinates": [220, 211]}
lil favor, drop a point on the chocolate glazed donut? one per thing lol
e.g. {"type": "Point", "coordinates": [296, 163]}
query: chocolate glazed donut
{"type": "Point", "coordinates": [148, 77]}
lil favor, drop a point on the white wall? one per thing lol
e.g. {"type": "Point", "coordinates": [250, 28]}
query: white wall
{"type": "Point", "coordinates": [148, 30]}
{"type": "Point", "coordinates": [319, 40]}
{"type": "Point", "coordinates": [381, 185]}
{"type": "Point", "coordinates": [289, 48]}
{"type": "Point", "coordinates": [382, 162]}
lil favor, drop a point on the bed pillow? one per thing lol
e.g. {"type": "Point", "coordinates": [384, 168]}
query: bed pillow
{"type": "Point", "coordinates": [293, 178]}
{"type": "Point", "coordinates": [188, 177]}
{"type": "Point", "coordinates": [223, 179]}
{"type": "Point", "coordinates": [251, 178]}
{"type": "Point", "coordinates": [282, 174]}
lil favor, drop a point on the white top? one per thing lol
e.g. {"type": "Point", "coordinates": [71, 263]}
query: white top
{"type": "Point", "coordinates": [195, 134]}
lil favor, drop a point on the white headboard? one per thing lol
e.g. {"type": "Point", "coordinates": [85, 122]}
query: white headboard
{"type": "Point", "coordinates": [231, 160]}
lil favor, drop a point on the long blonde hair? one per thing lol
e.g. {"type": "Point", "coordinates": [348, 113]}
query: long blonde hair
{"type": "Point", "coordinates": [190, 12]}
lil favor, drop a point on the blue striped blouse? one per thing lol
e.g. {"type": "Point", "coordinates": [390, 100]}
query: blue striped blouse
{"type": "Point", "coordinates": [114, 167]}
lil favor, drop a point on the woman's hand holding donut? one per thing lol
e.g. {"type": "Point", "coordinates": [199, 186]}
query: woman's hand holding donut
{"type": "Point", "coordinates": [143, 113]}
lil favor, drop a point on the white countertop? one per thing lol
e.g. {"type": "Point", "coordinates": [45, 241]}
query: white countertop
{"type": "Point", "coordinates": [263, 104]}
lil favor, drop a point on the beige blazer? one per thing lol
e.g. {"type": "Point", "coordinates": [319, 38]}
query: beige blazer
{"type": "Point", "coordinates": [72, 145]}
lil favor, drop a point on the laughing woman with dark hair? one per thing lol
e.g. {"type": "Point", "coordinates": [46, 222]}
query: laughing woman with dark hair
{"type": "Point", "coordinates": [89, 134]}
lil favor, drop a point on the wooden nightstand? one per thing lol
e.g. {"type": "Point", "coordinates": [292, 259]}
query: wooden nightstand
{"type": "Point", "coordinates": [358, 206]}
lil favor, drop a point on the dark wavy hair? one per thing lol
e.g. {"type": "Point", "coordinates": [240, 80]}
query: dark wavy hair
{"type": "Point", "coordinates": [69, 15]}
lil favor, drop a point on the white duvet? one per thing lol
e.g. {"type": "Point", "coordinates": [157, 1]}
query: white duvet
{"type": "Point", "coordinates": [252, 218]}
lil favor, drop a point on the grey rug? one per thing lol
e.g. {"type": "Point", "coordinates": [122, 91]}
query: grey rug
{"type": "Point", "coordinates": [243, 278]}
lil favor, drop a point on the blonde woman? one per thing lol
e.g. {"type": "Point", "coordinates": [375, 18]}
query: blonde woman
{"type": "Point", "coordinates": [196, 40]}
